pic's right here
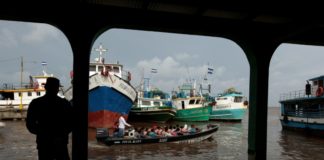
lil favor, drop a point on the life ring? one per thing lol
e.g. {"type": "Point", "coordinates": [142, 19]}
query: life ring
{"type": "Point", "coordinates": [245, 103]}
{"type": "Point", "coordinates": [131, 133]}
{"type": "Point", "coordinates": [319, 91]}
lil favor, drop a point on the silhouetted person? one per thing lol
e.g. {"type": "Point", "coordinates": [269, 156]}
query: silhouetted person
{"type": "Point", "coordinates": [49, 118]}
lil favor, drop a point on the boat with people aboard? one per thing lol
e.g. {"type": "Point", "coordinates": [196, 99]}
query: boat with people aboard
{"type": "Point", "coordinates": [151, 105]}
{"type": "Point", "coordinates": [303, 110]}
{"type": "Point", "coordinates": [190, 106]}
{"type": "Point", "coordinates": [191, 136]}
{"type": "Point", "coordinates": [110, 92]}
{"type": "Point", "coordinates": [15, 98]}
{"type": "Point", "coordinates": [229, 106]}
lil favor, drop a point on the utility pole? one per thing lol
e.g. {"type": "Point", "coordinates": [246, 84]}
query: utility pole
{"type": "Point", "coordinates": [21, 72]}
{"type": "Point", "coordinates": [21, 82]}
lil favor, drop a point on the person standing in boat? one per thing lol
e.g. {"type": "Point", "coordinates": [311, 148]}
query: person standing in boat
{"type": "Point", "coordinates": [121, 125]}
{"type": "Point", "coordinates": [50, 118]}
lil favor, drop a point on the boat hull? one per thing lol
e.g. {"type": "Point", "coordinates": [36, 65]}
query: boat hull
{"type": "Point", "coordinates": [228, 114]}
{"type": "Point", "coordinates": [109, 97]}
{"type": "Point", "coordinates": [310, 125]}
{"type": "Point", "coordinates": [106, 105]}
{"type": "Point", "coordinates": [189, 138]}
{"type": "Point", "coordinates": [193, 114]}
{"type": "Point", "coordinates": [153, 115]}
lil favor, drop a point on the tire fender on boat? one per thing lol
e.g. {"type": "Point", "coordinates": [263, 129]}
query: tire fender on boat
{"type": "Point", "coordinates": [131, 133]}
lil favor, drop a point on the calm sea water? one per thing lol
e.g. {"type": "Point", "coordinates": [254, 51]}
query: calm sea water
{"type": "Point", "coordinates": [229, 142]}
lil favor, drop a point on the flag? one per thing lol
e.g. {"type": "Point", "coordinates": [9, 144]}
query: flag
{"type": "Point", "coordinates": [153, 70]}
{"type": "Point", "coordinates": [210, 71]}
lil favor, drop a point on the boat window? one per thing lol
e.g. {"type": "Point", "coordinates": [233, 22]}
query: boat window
{"type": "Point", "coordinates": [92, 68]}
{"type": "Point", "coordinates": [109, 68]}
{"type": "Point", "coordinates": [156, 103]}
{"type": "Point", "coordinates": [100, 68]}
{"type": "Point", "coordinates": [29, 94]}
{"type": "Point", "coordinates": [19, 94]}
{"type": "Point", "coordinates": [116, 69]}
{"type": "Point", "coordinates": [221, 98]}
{"type": "Point", "coordinates": [192, 101]}
{"type": "Point", "coordinates": [238, 99]}
{"type": "Point", "coordinates": [38, 93]}
{"type": "Point", "coordinates": [147, 103]}
{"type": "Point", "coordinates": [315, 83]}
{"type": "Point", "coordinates": [198, 101]}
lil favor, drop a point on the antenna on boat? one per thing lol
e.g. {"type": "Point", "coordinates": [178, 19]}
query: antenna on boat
{"type": "Point", "coordinates": [101, 50]}
{"type": "Point", "coordinates": [22, 70]}
{"type": "Point", "coordinates": [44, 68]}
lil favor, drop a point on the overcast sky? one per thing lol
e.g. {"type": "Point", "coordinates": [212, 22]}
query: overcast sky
{"type": "Point", "coordinates": [176, 57]}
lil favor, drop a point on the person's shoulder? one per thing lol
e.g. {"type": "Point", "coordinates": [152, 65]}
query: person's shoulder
{"type": "Point", "coordinates": [38, 99]}
{"type": "Point", "coordinates": [65, 101]}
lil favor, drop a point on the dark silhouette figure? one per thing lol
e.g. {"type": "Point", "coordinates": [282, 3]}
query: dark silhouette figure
{"type": "Point", "coordinates": [49, 118]}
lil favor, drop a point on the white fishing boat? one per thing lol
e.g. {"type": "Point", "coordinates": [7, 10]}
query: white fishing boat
{"type": "Point", "coordinates": [230, 106]}
{"type": "Point", "coordinates": [15, 98]}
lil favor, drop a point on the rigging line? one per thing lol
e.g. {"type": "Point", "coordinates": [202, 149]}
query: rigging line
{"type": "Point", "coordinates": [10, 59]}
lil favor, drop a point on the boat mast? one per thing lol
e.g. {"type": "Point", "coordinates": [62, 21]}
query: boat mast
{"type": "Point", "coordinates": [101, 50]}
{"type": "Point", "coordinates": [21, 72]}
{"type": "Point", "coordinates": [21, 82]}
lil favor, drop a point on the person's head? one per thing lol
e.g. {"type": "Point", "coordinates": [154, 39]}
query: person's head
{"type": "Point", "coordinates": [123, 114]}
{"type": "Point", "coordinates": [52, 85]}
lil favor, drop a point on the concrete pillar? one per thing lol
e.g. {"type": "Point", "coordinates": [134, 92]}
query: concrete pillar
{"type": "Point", "coordinates": [259, 54]}
{"type": "Point", "coordinates": [81, 39]}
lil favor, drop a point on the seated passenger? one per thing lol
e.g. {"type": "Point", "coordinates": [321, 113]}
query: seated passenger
{"type": "Point", "coordinates": [166, 132]}
{"type": "Point", "coordinates": [151, 133]}
{"type": "Point", "coordinates": [183, 129]}
{"type": "Point", "coordinates": [192, 129]}
{"type": "Point", "coordinates": [144, 133]}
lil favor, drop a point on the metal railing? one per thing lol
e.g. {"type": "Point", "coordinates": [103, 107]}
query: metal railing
{"type": "Point", "coordinates": [308, 113]}
{"type": "Point", "coordinates": [297, 94]}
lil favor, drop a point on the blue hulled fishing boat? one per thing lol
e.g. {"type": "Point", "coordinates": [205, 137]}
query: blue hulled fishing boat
{"type": "Point", "coordinates": [110, 92]}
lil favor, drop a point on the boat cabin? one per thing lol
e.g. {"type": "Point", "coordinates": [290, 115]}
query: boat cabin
{"type": "Point", "coordinates": [151, 102]}
{"type": "Point", "coordinates": [112, 69]}
{"type": "Point", "coordinates": [316, 85]}
{"type": "Point", "coordinates": [187, 103]}
{"type": "Point", "coordinates": [232, 98]}
{"type": "Point", "coordinates": [301, 105]}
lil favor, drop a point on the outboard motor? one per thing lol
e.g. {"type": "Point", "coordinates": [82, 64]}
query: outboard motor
{"type": "Point", "coordinates": [102, 134]}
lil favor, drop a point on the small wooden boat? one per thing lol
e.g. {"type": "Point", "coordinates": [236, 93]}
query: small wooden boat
{"type": "Point", "coordinates": [102, 137]}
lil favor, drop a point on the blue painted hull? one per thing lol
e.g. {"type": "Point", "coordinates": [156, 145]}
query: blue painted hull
{"type": "Point", "coordinates": [228, 114]}
{"type": "Point", "coordinates": [106, 105]}
{"type": "Point", "coordinates": [106, 98]}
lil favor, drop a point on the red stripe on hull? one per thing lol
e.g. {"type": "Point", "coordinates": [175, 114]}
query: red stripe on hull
{"type": "Point", "coordinates": [103, 119]}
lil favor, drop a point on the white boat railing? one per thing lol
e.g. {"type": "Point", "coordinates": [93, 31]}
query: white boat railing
{"type": "Point", "coordinates": [298, 94]}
